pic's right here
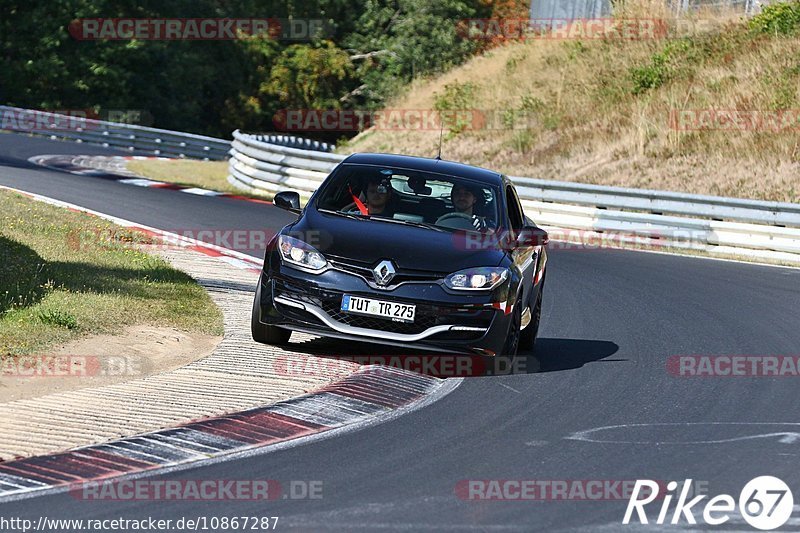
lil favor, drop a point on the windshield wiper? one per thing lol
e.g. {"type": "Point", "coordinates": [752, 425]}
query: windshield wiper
{"type": "Point", "coordinates": [346, 215]}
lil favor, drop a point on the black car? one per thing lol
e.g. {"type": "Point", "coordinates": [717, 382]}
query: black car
{"type": "Point", "coordinates": [406, 251]}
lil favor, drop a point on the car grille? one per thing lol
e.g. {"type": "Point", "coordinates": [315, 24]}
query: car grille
{"type": "Point", "coordinates": [402, 276]}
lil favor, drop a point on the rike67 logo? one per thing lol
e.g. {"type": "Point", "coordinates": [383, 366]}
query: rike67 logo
{"type": "Point", "coordinates": [765, 503]}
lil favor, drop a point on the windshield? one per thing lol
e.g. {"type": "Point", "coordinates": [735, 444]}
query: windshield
{"type": "Point", "coordinates": [436, 200]}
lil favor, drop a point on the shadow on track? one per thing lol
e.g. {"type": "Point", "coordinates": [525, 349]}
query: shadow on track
{"type": "Point", "coordinates": [554, 355]}
{"type": "Point", "coordinates": [551, 355]}
{"type": "Point", "coordinates": [17, 163]}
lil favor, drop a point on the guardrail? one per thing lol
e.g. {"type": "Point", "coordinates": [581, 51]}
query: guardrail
{"type": "Point", "coordinates": [290, 141]}
{"type": "Point", "coordinates": [260, 166]}
{"type": "Point", "coordinates": [570, 210]}
{"type": "Point", "coordinates": [130, 137]}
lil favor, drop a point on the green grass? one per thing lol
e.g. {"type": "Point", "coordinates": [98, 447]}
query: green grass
{"type": "Point", "coordinates": [64, 275]}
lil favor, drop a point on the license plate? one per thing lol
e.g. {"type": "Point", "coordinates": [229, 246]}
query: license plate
{"type": "Point", "coordinates": [367, 306]}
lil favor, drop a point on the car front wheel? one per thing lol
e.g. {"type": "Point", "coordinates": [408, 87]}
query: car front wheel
{"type": "Point", "coordinates": [512, 339]}
{"type": "Point", "coordinates": [528, 335]}
{"type": "Point", "coordinates": [264, 333]}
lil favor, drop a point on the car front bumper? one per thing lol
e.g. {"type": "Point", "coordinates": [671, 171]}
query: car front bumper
{"type": "Point", "coordinates": [444, 322]}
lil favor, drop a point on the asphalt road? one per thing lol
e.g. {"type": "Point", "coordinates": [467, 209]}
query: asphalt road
{"type": "Point", "coordinates": [611, 320]}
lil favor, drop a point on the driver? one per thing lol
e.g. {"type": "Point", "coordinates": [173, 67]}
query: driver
{"type": "Point", "coordinates": [464, 200]}
{"type": "Point", "coordinates": [379, 196]}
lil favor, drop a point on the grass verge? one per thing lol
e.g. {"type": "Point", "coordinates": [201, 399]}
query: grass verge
{"type": "Point", "coordinates": [64, 275]}
{"type": "Point", "coordinates": [212, 175]}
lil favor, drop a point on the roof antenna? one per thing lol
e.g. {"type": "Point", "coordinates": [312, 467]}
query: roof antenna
{"type": "Point", "coordinates": [441, 131]}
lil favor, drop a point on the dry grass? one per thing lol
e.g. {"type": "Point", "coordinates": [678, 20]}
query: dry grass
{"type": "Point", "coordinates": [212, 175]}
{"type": "Point", "coordinates": [582, 110]}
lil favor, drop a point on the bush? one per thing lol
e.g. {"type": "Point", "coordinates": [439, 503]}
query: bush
{"type": "Point", "coordinates": [660, 69]}
{"type": "Point", "coordinates": [777, 19]}
{"type": "Point", "coordinates": [456, 97]}
{"type": "Point", "coordinates": [54, 317]}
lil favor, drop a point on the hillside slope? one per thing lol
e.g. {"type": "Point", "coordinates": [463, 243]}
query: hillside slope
{"type": "Point", "coordinates": [711, 107]}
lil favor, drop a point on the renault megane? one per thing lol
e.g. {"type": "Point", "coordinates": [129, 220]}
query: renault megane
{"type": "Point", "coordinates": [406, 251]}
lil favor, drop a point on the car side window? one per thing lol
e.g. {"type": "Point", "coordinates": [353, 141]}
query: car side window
{"type": "Point", "coordinates": [514, 208]}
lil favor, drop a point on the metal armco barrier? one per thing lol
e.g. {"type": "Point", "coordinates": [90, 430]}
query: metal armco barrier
{"type": "Point", "coordinates": [143, 140]}
{"type": "Point", "coordinates": [712, 224]}
{"type": "Point", "coordinates": [258, 165]}
{"type": "Point", "coordinates": [130, 137]}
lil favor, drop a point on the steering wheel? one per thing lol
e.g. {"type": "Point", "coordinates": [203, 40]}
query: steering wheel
{"type": "Point", "coordinates": [455, 220]}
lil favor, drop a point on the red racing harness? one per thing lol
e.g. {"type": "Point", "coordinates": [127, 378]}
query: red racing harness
{"type": "Point", "coordinates": [358, 202]}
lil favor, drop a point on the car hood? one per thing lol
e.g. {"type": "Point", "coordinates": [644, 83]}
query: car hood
{"type": "Point", "coordinates": [409, 247]}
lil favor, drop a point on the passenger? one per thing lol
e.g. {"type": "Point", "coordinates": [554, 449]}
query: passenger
{"type": "Point", "coordinates": [376, 198]}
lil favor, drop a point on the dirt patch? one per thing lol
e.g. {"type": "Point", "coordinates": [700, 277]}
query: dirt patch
{"type": "Point", "coordinates": [98, 360]}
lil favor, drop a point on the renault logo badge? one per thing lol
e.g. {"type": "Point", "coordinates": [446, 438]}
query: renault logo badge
{"type": "Point", "coordinates": [384, 272]}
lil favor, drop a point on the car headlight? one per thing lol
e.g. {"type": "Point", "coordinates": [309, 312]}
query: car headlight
{"type": "Point", "coordinates": [476, 279]}
{"type": "Point", "coordinates": [296, 252]}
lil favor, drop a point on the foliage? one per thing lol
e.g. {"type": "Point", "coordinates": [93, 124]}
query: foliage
{"type": "Point", "coordinates": [661, 67]}
{"type": "Point", "coordinates": [58, 318]}
{"type": "Point", "coordinates": [781, 18]}
{"type": "Point", "coordinates": [213, 87]}
{"type": "Point", "coordinates": [460, 98]}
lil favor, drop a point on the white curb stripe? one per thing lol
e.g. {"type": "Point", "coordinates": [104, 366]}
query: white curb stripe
{"type": "Point", "coordinates": [139, 182]}
{"type": "Point", "coordinates": [327, 409]}
{"type": "Point", "coordinates": [202, 192]}
{"type": "Point", "coordinates": [19, 482]}
{"type": "Point", "coordinates": [193, 437]}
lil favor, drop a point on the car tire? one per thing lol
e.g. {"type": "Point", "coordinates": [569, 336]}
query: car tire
{"type": "Point", "coordinates": [264, 333]}
{"type": "Point", "coordinates": [527, 340]}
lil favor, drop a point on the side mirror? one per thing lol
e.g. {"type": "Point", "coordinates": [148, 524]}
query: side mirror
{"type": "Point", "coordinates": [532, 236]}
{"type": "Point", "coordinates": [288, 200]}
